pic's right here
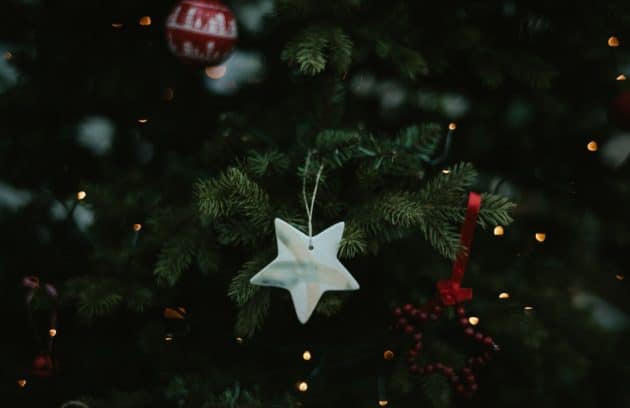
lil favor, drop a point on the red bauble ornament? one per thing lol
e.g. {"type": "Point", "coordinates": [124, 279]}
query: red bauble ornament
{"type": "Point", "coordinates": [201, 31]}
{"type": "Point", "coordinates": [42, 365]}
{"type": "Point", "coordinates": [620, 110]}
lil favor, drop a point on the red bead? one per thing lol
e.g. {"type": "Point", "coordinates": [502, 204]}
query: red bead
{"type": "Point", "coordinates": [480, 361]}
{"type": "Point", "coordinates": [437, 309]}
{"type": "Point", "coordinates": [460, 388]}
{"type": "Point", "coordinates": [414, 313]}
{"type": "Point", "coordinates": [469, 331]}
{"type": "Point", "coordinates": [409, 329]}
{"type": "Point", "coordinates": [417, 337]}
{"type": "Point", "coordinates": [433, 316]}
{"type": "Point", "coordinates": [473, 387]}
{"type": "Point", "coordinates": [448, 371]}
{"type": "Point", "coordinates": [202, 31]}
{"type": "Point", "coordinates": [460, 311]}
{"type": "Point", "coordinates": [488, 341]}
{"type": "Point", "coordinates": [402, 321]}
{"type": "Point", "coordinates": [407, 308]}
{"type": "Point", "coordinates": [423, 316]}
{"type": "Point", "coordinates": [429, 368]}
{"type": "Point", "coordinates": [478, 336]}
{"type": "Point", "coordinates": [463, 321]}
{"type": "Point", "coordinates": [470, 378]}
{"type": "Point", "coordinates": [398, 312]}
{"type": "Point", "coordinates": [417, 346]}
{"type": "Point", "coordinates": [466, 371]}
{"type": "Point", "coordinates": [414, 368]}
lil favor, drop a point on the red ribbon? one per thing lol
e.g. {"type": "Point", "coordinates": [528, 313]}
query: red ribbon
{"type": "Point", "coordinates": [450, 290]}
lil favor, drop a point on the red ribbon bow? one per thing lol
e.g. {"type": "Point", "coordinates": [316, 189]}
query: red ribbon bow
{"type": "Point", "coordinates": [450, 290]}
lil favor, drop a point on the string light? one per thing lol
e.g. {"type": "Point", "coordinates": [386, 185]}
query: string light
{"type": "Point", "coordinates": [473, 320]}
{"type": "Point", "coordinates": [216, 72]}
{"type": "Point", "coordinates": [621, 77]}
{"type": "Point", "coordinates": [142, 121]}
{"type": "Point", "coordinates": [306, 356]}
{"type": "Point", "coordinates": [145, 21]}
{"type": "Point", "coordinates": [541, 236]}
{"type": "Point", "coordinates": [302, 386]}
{"type": "Point", "coordinates": [452, 126]}
{"type": "Point", "coordinates": [383, 403]}
{"type": "Point", "coordinates": [446, 171]}
{"type": "Point", "coordinates": [620, 277]}
{"type": "Point", "coordinates": [498, 231]}
{"type": "Point", "coordinates": [52, 332]}
{"type": "Point", "coordinates": [504, 295]}
{"type": "Point", "coordinates": [81, 195]}
{"type": "Point", "coordinates": [239, 340]}
{"type": "Point", "coordinates": [137, 227]}
{"type": "Point", "coordinates": [592, 146]}
{"type": "Point", "coordinates": [613, 41]}
{"type": "Point", "coordinates": [528, 308]}
{"type": "Point", "coordinates": [117, 25]}
{"type": "Point", "coordinates": [21, 382]}
{"type": "Point", "coordinates": [7, 55]}
{"type": "Point", "coordinates": [388, 355]}
{"type": "Point", "coordinates": [168, 337]}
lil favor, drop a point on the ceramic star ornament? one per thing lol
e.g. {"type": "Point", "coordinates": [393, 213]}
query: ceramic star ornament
{"type": "Point", "coordinates": [306, 267]}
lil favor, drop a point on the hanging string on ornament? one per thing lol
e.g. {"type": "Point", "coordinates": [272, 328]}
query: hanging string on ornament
{"type": "Point", "coordinates": [447, 145]}
{"type": "Point", "coordinates": [201, 31]}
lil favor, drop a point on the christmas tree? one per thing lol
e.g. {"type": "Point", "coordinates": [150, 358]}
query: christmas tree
{"type": "Point", "coordinates": [153, 165]}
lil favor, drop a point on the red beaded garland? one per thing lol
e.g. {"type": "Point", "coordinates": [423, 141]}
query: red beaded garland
{"type": "Point", "coordinates": [409, 319]}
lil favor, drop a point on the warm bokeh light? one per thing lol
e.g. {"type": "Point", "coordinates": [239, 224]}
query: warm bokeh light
{"type": "Point", "coordinates": [142, 121]}
{"type": "Point", "coordinates": [382, 403]}
{"type": "Point", "coordinates": [620, 277]}
{"type": "Point", "coordinates": [473, 320]}
{"type": "Point", "coordinates": [81, 195]}
{"type": "Point", "coordinates": [529, 308]}
{"type": "Point", "coordinates": [306, 355]}
{"type": "Point", "coordinates": [388, 355]}
{"type": "Point", "coordinates": [621, 77]}
{"type": "Point", "coordinates": [541, 236]}
{"type": "Point", "coordinates": [446, 171]}
{"type": "Point", "coordinates": [168, 94]}
{"type": "Point", "coordinates": [137, 227]}
{"type": "Point", "coordinates": [239, 340]}
{"type": "Point", "coordinates": [452, 126]}
{"type": "Point", "coordinates": [613, 41]}
{"type": "Point", "coordinates": [592, 146]}
{"type": "Point", "coordinates": [7, 55]}
{"type": "Point", "coordinates": [168, 337]}
{"type": "Point", "coordinates": [302, 386]}
{"type": "Point", "coordinates": [504, 295]}
{"type": "Point", "coordinates": [117, 25]}
{"type": "Point", "coordinates": [145, 21]}
{"type": "Point", "coordinates": [216, 72]}
{"type": "Point", "coordinates": [52, 332]}
{"type": "Point", "coordinates": [498, 231]}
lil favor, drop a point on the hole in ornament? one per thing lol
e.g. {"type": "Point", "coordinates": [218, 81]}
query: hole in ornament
{"type": "Point", "coordinates": [311, 247]}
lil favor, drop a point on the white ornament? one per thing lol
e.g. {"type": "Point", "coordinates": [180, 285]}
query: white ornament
{"type": "Point", "coordinates": [306, 267]}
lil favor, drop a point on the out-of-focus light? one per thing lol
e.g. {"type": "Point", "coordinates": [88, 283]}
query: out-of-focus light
{"type": "Point", "coordinates": [498, 231]}
{"type": "Point", "coordinates": [145, 21]}
{"type": "Point", "coordinates": [388, 355]}
{"type": "Point", "coordinates": [306, 356]}
{"type": "Point", "coordinates": [302, 386]}
{"type": "Point", "coordinates": [613, 41]}
{"type": "Point", "coordinates": [142, 121]}
{"type": "Point", "coordinates": [117, 25]}
{"type": "Point", "coordinates": [528, 308]}
{"type": "Point", "coordinates": [239, 340]}
{"type": "Point", "coordinates": [52, 332]}
{"type": "Point", "coordinates": [592, 146]}
{"type": "Point", "coordinates": [621, 77]}
{"type": "Point", "coordinates": [21, 382]}
{"type": "Point", "coordinates": [541, 236]}
{"type": "Point", "coordinates": [620, 277]}
{"type": "Point", "coordinates": [81, 195]}
{"type": "Point", "coordinates": [168, 337]}
{"type": "Point", "coordinates": [504, 295]}
{"type": "Point", "coordinates": [446, 171]}
{"type": "Point", "coordinates": [383, 403]}
{"type": "Point", "coordinates": [137, 227]}
{"type": "Point", "coordinates": [7, 55]}
{"type": "Point", "coordinates": [473, 320]}
{"type": "Point", "coordinates": [216, 72]}
{"type": "Point", "coordinates": [452, 126]}
{"type": "Point", "coordinates": [168, 94]}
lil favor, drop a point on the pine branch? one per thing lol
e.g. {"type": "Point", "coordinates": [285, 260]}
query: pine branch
{"type": "Point", "coordinates": [309, 50]}
{"type": "Point", "coordinates": [495, 210]}
{"type": "Point", "coordinates": [253, 313]}
{"type": "Point", "coordinates": [175, 257]}
{"type": "Point", "coordinates": [241, 290]}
